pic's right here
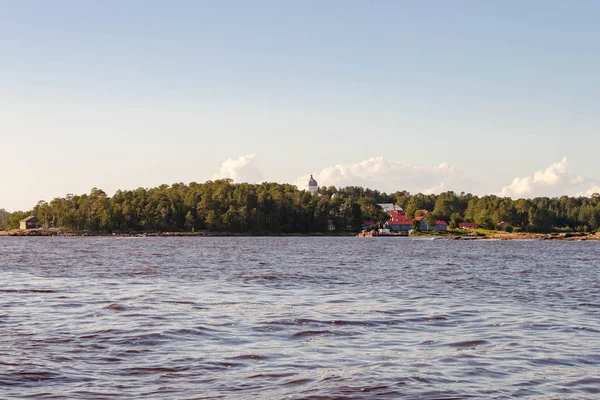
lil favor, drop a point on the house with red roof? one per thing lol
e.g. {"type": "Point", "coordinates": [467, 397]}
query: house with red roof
{"type": "Point", "coordinates": [407, 224]}
{"type": "Point", "coordinates": [397, 215]}
{"type": "Point", "coordinates": [438, 226]}
{"type": "Point", "coordinates": [398, 226]}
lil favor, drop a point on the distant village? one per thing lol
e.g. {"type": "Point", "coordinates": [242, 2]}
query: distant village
{"type": "Point", "coordinates": [399, 224]}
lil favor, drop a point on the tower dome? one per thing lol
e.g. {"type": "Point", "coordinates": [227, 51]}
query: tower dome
{"type": "Point", "coordinates": [312, 185]}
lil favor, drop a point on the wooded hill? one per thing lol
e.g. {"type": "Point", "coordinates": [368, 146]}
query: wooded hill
{"type": "Point", "coordinates": [4, 217]}
{"type": "Point", "coordinates": [281, 208]}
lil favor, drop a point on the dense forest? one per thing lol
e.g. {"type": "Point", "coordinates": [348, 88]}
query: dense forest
{"type": "Point", "coordinates": [217, 206]}
{"type": "Point", "coordinates": [281, 208]}
{"type": "Point", "coordinates": [4, 217]}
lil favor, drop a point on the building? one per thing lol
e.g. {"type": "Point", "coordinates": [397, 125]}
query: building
{"type": "Point", "coordinates": [313, 186]}
{"type": "Point", "coordinates": [438, 226]}
{"type": "Point", "coordinates": [397, 215]}
{"type": "Point", "coordinates": [399, 226]}
{"type": "Point", "coordinates": [387, 207]}
{"type": "Point", "coordinates": [29, 223]}
{"type": "Point", "coordinates": [468, 225]}
{"type": "Point", "coordinates": [407, 224]}
{"type": "Point", "coordinates": [330, 225]}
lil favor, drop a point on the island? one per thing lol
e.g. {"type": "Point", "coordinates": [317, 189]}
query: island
{"type": "Point", "coordinates": [222, 207]}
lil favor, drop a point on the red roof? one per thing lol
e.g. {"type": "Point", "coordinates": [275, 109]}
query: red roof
{"type": "Point", "coordinates": [467, 225]}
{"type": "Point", "coordinates": [438, 222]}
{"type": "Point", "coordinates": [397, 214]}
{"type": "Point", "coordinates": [419, 218]}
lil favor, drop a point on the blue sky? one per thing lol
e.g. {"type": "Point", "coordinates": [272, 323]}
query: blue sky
{"type": "Point", "coordinates": [467, 95]}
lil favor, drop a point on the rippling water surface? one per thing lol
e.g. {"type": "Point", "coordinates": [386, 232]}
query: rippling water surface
{"type": "Point", "coordinates": [316, 318]}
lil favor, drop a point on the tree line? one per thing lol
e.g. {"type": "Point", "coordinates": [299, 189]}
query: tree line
{"type": "Point", "coordinates": [4, 218]}
{"type": "Point", "coordinates": [217, 205]}
{"type": "Point", "coordinates": [540, 214]}
{"type": "Point", "coordinates": [222, 205]}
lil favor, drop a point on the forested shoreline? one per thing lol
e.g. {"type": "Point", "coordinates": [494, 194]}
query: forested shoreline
{"type": "Point", "coordinates": [273, 208]}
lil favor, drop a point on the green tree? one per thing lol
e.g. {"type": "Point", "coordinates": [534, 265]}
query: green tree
{"type": "Point", "coordinates": [430, 220]}
{"type": "Point", "coordinates": [190, 221]}
{"type": "Point", "coordinates": [484, 219]}
{"type": "Point", "coordinates": [4, 217]}
{"type": "Point", "coordinates": [416, 225]}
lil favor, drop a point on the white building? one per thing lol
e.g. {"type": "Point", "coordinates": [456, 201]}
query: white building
{"type": "Point", "coordinates": [387, 207]}
{"type": "Point", "coordinates": [313, 186]}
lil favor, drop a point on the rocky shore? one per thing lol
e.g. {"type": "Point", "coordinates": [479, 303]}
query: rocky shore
{"type": "Point", "coordinates": [61, 232]}
{"type": "Point", "coordinates": [573, 236]}
{"type": "Point", "coordinates": [64, 233]}
{"type": "Point", "coordinates": [546, 236]}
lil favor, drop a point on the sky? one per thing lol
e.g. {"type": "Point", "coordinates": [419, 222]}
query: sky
{"type": "Point", "coordinates": [495, 97]}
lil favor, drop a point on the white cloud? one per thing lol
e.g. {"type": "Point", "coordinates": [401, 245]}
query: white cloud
{"type": "Point", "coordinates": [591, 191]}
{"type": "Point", "coordinates": [243, 169]}
{"type": "Point", "coordinates": [555, 180]}
{"type": "Point", "coordinates": [390, 176]}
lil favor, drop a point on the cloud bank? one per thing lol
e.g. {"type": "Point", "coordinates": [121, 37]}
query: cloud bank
{"type": "Point", "coordinates": [555, 180]}
{"type": "Point", "coordinates": [243, 169]}
{"type": "Point", "coordinates": [390, 176]}
{"type": "Point", "coordinates": [590, 192]}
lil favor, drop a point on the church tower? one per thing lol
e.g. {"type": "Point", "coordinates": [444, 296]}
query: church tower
{"type": "Point", "coordinates": [312, 185]}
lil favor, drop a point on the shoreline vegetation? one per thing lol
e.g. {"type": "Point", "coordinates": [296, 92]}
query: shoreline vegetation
{"type": "Point", "coordinates": [450, 235]}
{"type": "Point", "coordinates": [224, 208]}
{"type": "Point", "coordinates": [492, 235]}
{"type": "Point", "coordinates": [65, 233]}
